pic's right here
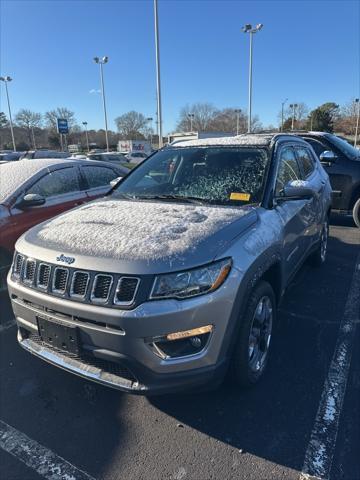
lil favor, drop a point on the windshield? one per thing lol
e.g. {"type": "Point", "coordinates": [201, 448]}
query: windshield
{"type": "Point", "coordinates": [344, 146]}
{"type": "Point", "coordinates": [216, 175]}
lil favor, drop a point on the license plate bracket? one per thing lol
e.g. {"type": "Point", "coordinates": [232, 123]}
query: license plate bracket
{"type": "Point", "coordinates": [58, 335]}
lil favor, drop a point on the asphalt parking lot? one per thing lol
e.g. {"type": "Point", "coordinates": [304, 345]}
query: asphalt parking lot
{"type": "Point", "coordinates": [75, 429]}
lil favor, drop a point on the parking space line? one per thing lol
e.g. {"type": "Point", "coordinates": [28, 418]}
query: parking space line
{"type": "Point", "coordinates": [45, 462]}
{"type": "Point", "coordinates": [320, 451]}
{"type": "Point", "coordinates": [6, 325]}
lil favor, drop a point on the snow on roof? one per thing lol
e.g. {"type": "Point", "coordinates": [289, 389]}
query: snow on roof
{"type": "Point", "coordinates": [245, 139]}
{"type": "Point", "coordinates": [16, 173]}
{"type": "Point", "coordinates": [126, 230]}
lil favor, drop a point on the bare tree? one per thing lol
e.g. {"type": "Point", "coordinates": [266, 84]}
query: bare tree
{"type": "Point", "coordinates": [132, 125]}
{"type": "Point", "coordinates": [346, 121]}
{"type": "Point", "coordinates": [301, 113]}
{"type": "Point", "coordinates": [61, 112]}
{"type": "Point", "coordinates": [3, 120]}
{"type": "Point", "coordinates": [204, 114]}
{"type": "Point", "coordinates": [29, 121]}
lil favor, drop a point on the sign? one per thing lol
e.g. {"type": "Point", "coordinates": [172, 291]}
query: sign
{"type": "Point", "coordinates": [62, 126]}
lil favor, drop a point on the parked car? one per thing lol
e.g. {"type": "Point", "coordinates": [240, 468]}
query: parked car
{"type": "Point", "coordinates": [136, 157]}
{"type": "Point", "coordinates": [9, 156]}
{"type": "Point", "coordinates": [342, 163]}
{"type": "Point", "coordinates": [31, 192]}
{"type": "Point", "coordinates": [32, 154]}
{"type": "Point", "coordinates": [108, 157]}
{"type": "Point", "coordinates": [175, 276]}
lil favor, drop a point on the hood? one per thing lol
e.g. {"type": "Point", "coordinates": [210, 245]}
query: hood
{"type": "Point", "coordinates": [138, 237]}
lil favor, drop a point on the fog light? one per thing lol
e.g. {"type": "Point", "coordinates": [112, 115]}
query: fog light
{"type": "Point", "coordinates": [190, 333]}
{"type": "Point", "coordinates": [195, 342]}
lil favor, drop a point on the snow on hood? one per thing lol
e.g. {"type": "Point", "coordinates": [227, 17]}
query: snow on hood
{"type": "Point", "coordinates": [126, 230]}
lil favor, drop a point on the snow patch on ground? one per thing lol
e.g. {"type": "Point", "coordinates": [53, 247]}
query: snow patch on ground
{"type": "Point", "coordinates": [127, 230]}
{"type": "Point", "coordinates": [16, 173]}
{"type": "Point", "coordinates": [244, 139]}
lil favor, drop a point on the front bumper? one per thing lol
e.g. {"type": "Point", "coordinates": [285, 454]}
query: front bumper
{"type": "Point", "coordinates": [117, 343]}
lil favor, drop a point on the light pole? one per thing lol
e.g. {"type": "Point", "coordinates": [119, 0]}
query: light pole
{"type": "Point", "coordinates": [6, 80]}
{"type": "Point", "coordinates": [158, 83]}
{"type": "Point", "coordinates": [293, 106]}
{"type": "Point", "coordinates": [249, 29]}
{"type": "Point", "coordinates": [191, 116]}
{"type": "Point", "coordinates": [150, 119]}
{"type": "Point", "coordinates": [101, 62]}
{"type": "Point", "coordinates": [357, 120]}
{"type": "Point", "coordinates": [282, 113]}
{"type": "Point", "coordinates": [86, 135]}
{"type": "Point", "coordinates": [237, 111]}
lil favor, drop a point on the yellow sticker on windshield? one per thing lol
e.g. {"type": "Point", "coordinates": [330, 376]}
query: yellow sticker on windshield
{"type": "Point", "coordinates": [240, 196]}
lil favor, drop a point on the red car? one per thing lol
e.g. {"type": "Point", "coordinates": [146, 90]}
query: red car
{"type": "Point", "coordinates": [32, 191]}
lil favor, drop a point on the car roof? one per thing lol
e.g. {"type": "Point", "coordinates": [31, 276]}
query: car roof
{"type": "Point", "coordinates": [15, 174]}
{"type": "Point", "coordinates": [246, 139]}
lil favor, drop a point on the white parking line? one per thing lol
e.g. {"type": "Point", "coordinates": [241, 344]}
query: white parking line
{"type": "Point", "coordinates": [42, 460]}
{"type": "Point", "coordinates": [6, 325]}
{"type": "Point", "coordinates": [320, 451]}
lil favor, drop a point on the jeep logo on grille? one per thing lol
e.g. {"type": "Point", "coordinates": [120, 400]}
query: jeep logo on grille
{"type": "Point", "coordinates": [64, 259]}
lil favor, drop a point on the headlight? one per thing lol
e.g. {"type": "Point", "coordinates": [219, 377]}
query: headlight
{"type": "Point", "coordinates": [191, 282]}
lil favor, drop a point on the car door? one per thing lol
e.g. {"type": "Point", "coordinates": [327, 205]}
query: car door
{"type": "Point", "coordinates": [293, 213]}
{"type": "Point", "coordinates": [97, 179]}
{"type": "Point", "coordinates": [62, 190]}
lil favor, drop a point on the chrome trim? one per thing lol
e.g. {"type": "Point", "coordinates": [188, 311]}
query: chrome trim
{"type": "Point", "coordinates": [18, 275]}
{"type": "Point", "coordinates": [76, 295]}
{"type": "Point", "coordinates": [56, 290]}
{"type": "Point", "coordinates": [25, 280]}
{"type": "Point", "coordinates": [38, 285]}
{"type": "Point", "coordinates": [96, 299]}
{"type": "Point", "coordinates": [116, 302]}
{"type": "Point", "coordinates": [78, 367]}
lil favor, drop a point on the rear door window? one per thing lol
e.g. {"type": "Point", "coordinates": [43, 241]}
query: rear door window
{"type": "Point", "coordinates": [98, 176]}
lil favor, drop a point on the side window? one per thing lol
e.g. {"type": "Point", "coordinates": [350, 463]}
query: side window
{"type": "Point", "coordinates": [98, 176]}
{"type": "Point", "coordinates": [288, 169]}
{"type": "Point", "coordinates": [57, 183]}
{"type": "Point", "coordinates": [305, 161]}
{"type": "Point", "coordinates": [317, 146]}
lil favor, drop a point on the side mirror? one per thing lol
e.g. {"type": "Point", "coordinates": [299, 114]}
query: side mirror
{"type": "Point", "coordinates": [31, 200]}
{"type": "Point", "coordinates": [115, 181]}
{"type": "Point", "coordinates": [328, 156]}
{"type": "Point", "coordinates": [296, 190]}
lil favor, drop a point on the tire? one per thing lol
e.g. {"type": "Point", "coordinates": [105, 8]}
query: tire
{"type": "Point", "coordinates": [250, 355]}
{"type": "Point", "coordinates": [318, 258]}
{"type": "Point", "coordinates": [356, 213]}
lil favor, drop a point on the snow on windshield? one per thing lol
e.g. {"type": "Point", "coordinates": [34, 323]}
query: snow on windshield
{"type": "Point", "coordinates": [127, 230]}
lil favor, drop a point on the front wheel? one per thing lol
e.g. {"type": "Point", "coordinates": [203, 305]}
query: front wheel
{"type": "Point", "coordinates": [251, 350]}
{"type": "Point", "coordinates": [356, 213]}
{"type": "Point", "coordinates": [319, 256]}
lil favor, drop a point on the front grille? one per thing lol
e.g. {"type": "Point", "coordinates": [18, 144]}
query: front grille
{"type": "Point", "coordinates": [126, 290]}
{"type": "Point", "coordinates": [109, 367]}
{"type": "Point", "coordinates": [79, 284]}
{"type": "Point", "coordinates": [19, 260]}
{"type": "Point", "coordinates": [110, 290]}
{"type": "Point", "coordinates": [43, 276]}
{"type": "Point", "coordinates": [60, 280]}
{"type": "Point", "coordinates": [29, 271]}
{"type": "Point", "coordinates": [101, 288]}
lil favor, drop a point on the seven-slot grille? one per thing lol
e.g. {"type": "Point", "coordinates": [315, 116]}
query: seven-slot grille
{"type": "Point", "coordinates": [81, 285]}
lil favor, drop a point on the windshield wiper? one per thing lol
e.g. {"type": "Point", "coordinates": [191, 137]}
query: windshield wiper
{"type": "Point", "coordinates": [181, 198]}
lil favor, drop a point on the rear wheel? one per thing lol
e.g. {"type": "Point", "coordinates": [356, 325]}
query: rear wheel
{"type": "Point", "coordinates": [251, 350]}
{"type": "Point", "coordinates": [356, 213]}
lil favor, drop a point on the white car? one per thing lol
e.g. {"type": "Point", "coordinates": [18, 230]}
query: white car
{"type": "Point", "coordinates": [136, 157]}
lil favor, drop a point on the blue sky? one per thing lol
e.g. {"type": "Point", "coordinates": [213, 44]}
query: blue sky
{"type": "Point", "coordinates": [308, 51]}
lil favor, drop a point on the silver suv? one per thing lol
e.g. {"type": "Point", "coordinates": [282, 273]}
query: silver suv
{"type": "Point", "coordinates": [175, 276]}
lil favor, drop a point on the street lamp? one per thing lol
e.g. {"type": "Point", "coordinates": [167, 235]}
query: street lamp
{"type": "Point", "coordinates": [158, 83]}
{"type": "Point", "coordinates": [86, 135]}
{"type": "Point", "coordinates": [357, 121]}
{"type": "Point", "coordinates": [293, 106]}
{"type": "Point", "coordinates": [282, 113]}
{"type": "Point", "coordinates": [249, 29]}
{"type": "Point", "coordinates": [150, 119]}
{"type": "Point", "coordinates": [6, 80]}
{"type": "Point", "coordinates": [237, 111]}
{"type": "Point", "coordinates": [101, 62]}
{"type": "Point", "coordinates": [191, 116]}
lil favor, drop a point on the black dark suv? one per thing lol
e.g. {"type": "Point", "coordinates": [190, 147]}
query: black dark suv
{"type": "Point", "coordinates": [342, 163]}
